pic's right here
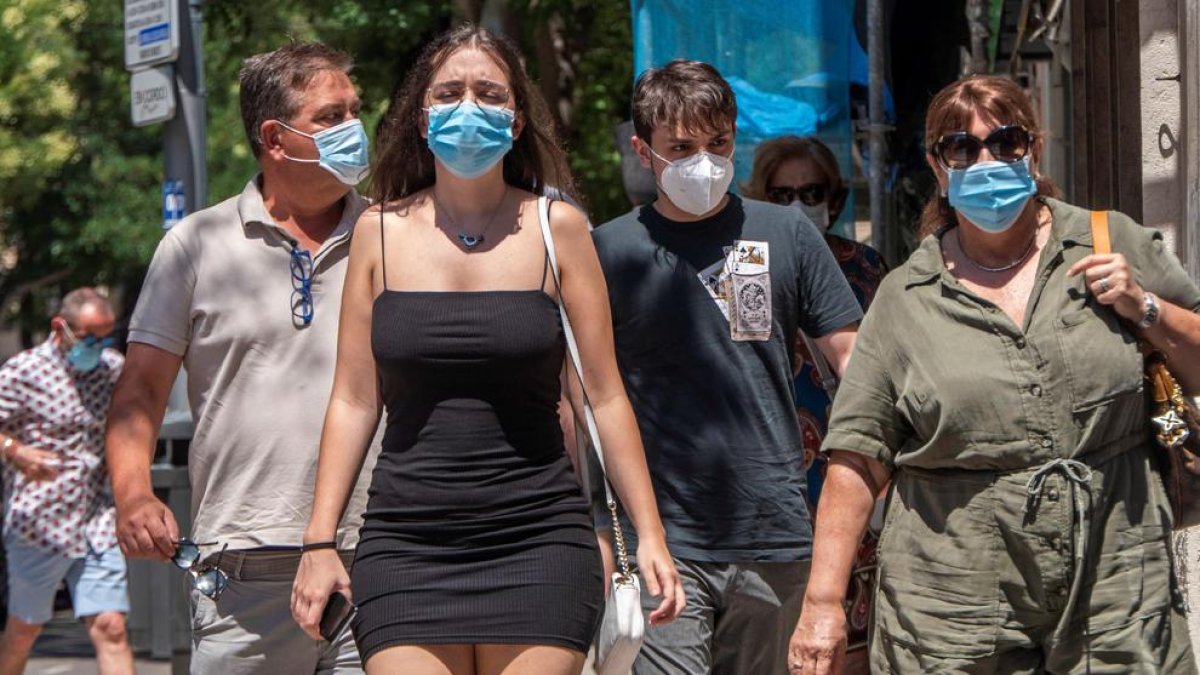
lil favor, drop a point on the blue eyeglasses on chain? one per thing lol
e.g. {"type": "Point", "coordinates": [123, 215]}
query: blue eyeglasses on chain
{"type": "Point", "coordinates": [302, 273]}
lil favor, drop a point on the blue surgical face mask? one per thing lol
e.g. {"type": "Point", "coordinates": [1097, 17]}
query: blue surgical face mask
{"type": "Point", "coordinates": [84, 354]}
{"type": "Point", "coordinates": [342, 150]}
{"type": "Point", "coordinates": [470, 139]}
{"type": "Point", "coordinates": [992, 194]}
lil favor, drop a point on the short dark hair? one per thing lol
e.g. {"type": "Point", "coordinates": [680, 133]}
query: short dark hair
{"type": "Point", "coordinates": [271, 83]}
{"type": "Point", "coordinates": [688, 93]}
{"type": "Point", "coordinates": [73, 303]}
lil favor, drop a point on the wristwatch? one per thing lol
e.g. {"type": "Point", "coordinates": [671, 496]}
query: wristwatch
{"type": "Point", "coordinates": [1149, 311]}
{"type": "Point", "coordinates": [6, 448]}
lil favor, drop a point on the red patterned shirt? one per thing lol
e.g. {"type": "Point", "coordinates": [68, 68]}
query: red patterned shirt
{"type": "Point", "coordinates": [47, 404]}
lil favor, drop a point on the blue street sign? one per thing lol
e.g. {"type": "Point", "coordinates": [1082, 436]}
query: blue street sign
{"type": "Point", "coordinates": [174, 202]}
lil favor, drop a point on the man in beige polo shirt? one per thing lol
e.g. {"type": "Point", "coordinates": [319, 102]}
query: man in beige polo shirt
{"type": "Point", "coordinates": [245, 295]}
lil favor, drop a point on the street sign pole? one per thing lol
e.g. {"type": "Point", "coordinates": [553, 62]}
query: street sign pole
{"type": "Point", "coordinates": [185, 179]}
{"type": "Point", "coordinates": [184, 134]}
{"type": "Point", "coordinates": [184, 160]}
{"type": "Point", "coordinates": [163, 43]}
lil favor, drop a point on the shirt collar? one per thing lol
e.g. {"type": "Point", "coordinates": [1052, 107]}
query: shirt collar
{"type": "Point", "coordinates": [1066, 227]}
{"type": "Point", "coordinates": [50, 351]}
{"type": "Point", "coordinates": [926, 263]}
{"type": "Point", "coordinates": [253, 211]}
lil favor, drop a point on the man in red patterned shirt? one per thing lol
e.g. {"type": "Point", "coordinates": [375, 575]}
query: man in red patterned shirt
{"type": "Point", "coordinates": [59, 520]}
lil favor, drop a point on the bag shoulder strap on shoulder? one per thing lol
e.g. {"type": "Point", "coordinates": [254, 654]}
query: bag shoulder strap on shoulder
{"type": "Point", "coordinates": [1101, 239]}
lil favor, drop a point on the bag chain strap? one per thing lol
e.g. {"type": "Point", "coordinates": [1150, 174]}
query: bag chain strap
{"type": "Point", "coordinates": [619, 541]}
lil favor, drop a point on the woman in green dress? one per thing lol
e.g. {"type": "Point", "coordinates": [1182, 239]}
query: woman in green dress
{"type": "Point", "coordinates": [997, 382]}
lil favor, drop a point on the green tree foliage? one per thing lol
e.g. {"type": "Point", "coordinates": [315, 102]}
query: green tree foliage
{"type": "Point", "coordinates": [592, 72]}
{"type": "Point", "coordinates": [80, 199]}
{"type": "Point", "coordinates": [78, 184]}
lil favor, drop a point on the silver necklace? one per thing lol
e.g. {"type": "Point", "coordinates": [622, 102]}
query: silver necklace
{"type": "Point", "coordinates": [469, 242]}
{"type": "Point", "coordinates": [1003, 268]}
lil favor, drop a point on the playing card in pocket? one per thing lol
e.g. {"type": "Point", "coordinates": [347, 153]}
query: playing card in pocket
{"type": "Point", "coordinates": [750, 293]}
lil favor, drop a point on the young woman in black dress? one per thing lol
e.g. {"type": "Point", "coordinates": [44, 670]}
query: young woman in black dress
{"type": "Point", "coordinates": [477, 554]}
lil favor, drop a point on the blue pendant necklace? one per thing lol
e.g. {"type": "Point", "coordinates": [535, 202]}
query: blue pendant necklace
{"type": "Point", "coordinates": [469, 241]}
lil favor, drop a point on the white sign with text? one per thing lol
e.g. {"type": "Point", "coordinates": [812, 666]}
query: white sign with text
{"type": "Point", "coordinates": [151, 33]}
{"type": "Point", "coordinates": [152, 95]}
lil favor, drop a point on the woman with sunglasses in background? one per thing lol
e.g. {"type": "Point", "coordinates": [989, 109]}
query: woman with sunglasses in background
{"type": "Point", "coordinates": [997, 382]}
{"type": "Point", "coordinates": [802, 172]}
{"type": "Point", "coordinates": [477, 553]}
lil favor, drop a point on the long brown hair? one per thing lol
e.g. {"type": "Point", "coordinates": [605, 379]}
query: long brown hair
{"type": "Point", "coordinates": [405, 165]}
{"type": "Point", "coordinates": [771, 154]}
{"type": "Point", "coordinates": [953, 109]}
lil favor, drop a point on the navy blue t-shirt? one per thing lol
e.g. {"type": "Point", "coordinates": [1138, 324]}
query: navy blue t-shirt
{"type": "Point", "coordinates": [716, 415]}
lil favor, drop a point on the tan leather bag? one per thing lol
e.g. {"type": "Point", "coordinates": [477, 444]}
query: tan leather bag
{"type": "Point", "coordinates": [1174, 420]}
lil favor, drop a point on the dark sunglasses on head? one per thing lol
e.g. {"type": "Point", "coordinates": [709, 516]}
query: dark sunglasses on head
{"type": "Point", "coordinates": [810, 194]}
{"type": "Point", "coordinates": [302, 299]}
{"type": "Point", "coordinates": [209, 580]}
{"type": "Point", "coordinates": [960, 149]}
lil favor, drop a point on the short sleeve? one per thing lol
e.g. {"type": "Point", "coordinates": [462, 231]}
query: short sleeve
{"type": "Point", "coordinates": [865, 419]}
{"type": "Point", "coordinates": [1156, 268]}
{"type": "Point", "coordinates": [826, 301]}
{"type": "Point", "coordinates": [163, 314]}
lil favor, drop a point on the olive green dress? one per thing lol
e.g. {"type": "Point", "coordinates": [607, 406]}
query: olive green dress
{"type": "Point", "coordinates": [1027, 529]}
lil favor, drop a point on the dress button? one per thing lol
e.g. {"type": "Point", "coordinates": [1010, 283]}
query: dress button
{"type": "Point", "coordinates": [1020, 343]}
{"type": "Point", "coordinates": [1036, 390]}
{"type": "Point", "coordinates": [1052, 495]}
{"type": "Point", "coordinates": [1047, 442]}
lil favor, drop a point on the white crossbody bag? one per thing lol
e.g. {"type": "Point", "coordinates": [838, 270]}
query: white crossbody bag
{"type": "Point", "coordinates": [624, 624]}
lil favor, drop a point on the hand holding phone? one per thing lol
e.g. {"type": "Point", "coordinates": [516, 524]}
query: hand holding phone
{"type": "Point", "coordinates": [337, 613]}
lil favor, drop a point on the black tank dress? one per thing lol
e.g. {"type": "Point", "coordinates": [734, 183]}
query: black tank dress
{"type": "Point", "coordinates": [476, 530]}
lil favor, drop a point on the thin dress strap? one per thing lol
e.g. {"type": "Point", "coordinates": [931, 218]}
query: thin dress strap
{"type": "Point", "coordinates": [546, 264]}
{"type": "Point", "coordinates": [382, 248]}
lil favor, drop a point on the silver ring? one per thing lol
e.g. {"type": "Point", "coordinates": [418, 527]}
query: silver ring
{"type": "Point", "coordinates": [1103, 285]}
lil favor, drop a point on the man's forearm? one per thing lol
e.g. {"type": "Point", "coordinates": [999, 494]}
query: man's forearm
{"type": "Point", "coordinates": [129, 442]}
{"type": "Point", "coordinates": [134, 417]}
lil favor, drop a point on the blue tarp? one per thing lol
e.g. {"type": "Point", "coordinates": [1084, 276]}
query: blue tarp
{"type": "Point", "coordinates": [788, 63]}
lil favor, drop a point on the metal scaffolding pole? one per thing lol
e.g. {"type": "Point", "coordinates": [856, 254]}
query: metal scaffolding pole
{"type": "Point", "coordinates": [880, 236]}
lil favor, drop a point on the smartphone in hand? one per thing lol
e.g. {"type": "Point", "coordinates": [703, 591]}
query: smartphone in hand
{"type": "Point", "coordinates": [338, 612]}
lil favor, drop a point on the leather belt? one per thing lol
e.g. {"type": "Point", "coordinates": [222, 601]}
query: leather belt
{"type": "Point", "coordinates": [260, 565]}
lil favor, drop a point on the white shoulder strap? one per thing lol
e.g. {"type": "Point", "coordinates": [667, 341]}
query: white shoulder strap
{"type": "Point", "coordinates": [572, 346]}
{"type": "Point", "coordinates": [622, 552]}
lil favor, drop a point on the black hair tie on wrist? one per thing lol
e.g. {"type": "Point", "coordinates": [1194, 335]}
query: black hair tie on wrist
{"type": "Point", "coordinates": [317, 546]}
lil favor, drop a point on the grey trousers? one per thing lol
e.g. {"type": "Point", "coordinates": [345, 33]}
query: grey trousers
{"type": "Point", "coordinates": [249, 630]}
{"type": "Point", "coordinates": [738, 621]}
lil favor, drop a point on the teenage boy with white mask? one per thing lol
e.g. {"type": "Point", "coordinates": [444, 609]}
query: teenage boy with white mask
{"type": "Point", "coordinates": [708, 291]}
{"type": "Point", "coordinates": [246, 296]}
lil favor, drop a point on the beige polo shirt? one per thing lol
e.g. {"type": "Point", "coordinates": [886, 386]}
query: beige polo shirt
{"type": "Point", "coordinates": [218, 293]}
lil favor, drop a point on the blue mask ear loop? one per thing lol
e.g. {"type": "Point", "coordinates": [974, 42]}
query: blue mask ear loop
{"type": "Point", "coordinates": [310, 137]}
